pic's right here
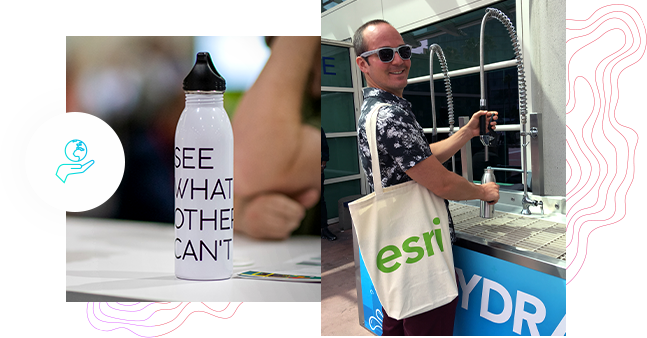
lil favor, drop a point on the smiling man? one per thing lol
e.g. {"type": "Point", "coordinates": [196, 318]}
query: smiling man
{"type": "Point", "coordinates": [404, 154]}
{"type": "Point", "coordinates": [388, 76]}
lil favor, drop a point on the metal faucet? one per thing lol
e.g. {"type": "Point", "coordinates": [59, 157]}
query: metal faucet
{"type": "Point", "coordinates": [497, 14]}
{"type": "Point", "coordinates": [526, 202]}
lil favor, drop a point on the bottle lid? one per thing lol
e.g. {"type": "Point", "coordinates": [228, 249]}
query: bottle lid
{"type": "Point", "coordinates": [204, 75]}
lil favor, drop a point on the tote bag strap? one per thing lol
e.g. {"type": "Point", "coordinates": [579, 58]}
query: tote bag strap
{"type": "Point", "coordinates": [370, 127]}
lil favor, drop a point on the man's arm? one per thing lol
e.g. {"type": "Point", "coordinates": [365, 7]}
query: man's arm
{"type": "Point", "coordinates": [443, 150]}
{"type": "Point", "coordinates": [273, 150]}
{"type": "Point", "coordinates": [432, 175]}
{"type": "Point", "coordinates": [275, 154]}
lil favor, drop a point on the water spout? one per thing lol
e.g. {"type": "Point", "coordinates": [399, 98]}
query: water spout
{"type": "Point", "coordinates": [497, 14]}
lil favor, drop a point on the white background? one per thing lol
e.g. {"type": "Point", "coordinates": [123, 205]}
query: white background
{"type": "Point", "coordinates": [602, 324]}
{"type": "Point", "coordinates": [600, 2]}
{"type": "Point", "coordinates": [32, 35]}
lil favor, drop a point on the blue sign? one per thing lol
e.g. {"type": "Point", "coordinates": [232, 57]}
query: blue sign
{"type": "Point", "coordinates": [373, 316]}
{"type": "Point", "coordinates": [496, 298]}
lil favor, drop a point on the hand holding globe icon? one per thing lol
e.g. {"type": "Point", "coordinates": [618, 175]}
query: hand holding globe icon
{"type": "Point", "coordinates": [75, 151]}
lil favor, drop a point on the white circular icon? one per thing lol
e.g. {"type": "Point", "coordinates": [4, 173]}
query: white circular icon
{"type": "Point", "coordinates": [64, 173]}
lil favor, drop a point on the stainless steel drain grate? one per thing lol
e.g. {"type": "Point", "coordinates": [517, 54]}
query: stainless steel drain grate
{"type": "Point", "coordinates": [533, 234]}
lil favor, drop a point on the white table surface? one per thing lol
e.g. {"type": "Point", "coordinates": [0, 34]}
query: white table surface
{"type": "Point", "coordinates": [135, 260]}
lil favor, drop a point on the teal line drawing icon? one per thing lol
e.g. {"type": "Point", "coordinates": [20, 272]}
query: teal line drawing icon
{"type": "Point", "coordinates": [75, 151]}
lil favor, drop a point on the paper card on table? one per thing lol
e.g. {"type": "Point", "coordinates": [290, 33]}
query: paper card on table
{"type": "Point", "coordinates": [306, 268]}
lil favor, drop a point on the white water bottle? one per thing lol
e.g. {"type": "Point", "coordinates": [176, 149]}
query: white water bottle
{"type": "Point", "coordinates": [204, 171]}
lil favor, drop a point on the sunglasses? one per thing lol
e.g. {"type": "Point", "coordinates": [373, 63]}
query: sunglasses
{"type": "Point", "coordinates": [386, 54]}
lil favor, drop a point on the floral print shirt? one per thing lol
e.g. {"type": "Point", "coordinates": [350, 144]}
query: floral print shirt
{"type": "Point", "coordinates": [401, 142]}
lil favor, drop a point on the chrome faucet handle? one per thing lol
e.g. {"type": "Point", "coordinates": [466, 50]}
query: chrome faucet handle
{"type": "Point", "coordinates": [526, 202]}
{"type": "Point", "coordinates": [525, 205]}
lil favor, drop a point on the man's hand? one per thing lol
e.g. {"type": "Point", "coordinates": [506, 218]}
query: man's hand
{"type": "Point", "coordinates": [443, 150]}
{"type": "Point", "coordinates": [490, 192]}
{"type": "Point", "coordinates": [473, 125]}
{"type": "Point", "coordinates": [275, 152]}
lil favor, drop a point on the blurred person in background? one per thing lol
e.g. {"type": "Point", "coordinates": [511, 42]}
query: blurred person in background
{"type": "Point", "coordinates": [275, 148]}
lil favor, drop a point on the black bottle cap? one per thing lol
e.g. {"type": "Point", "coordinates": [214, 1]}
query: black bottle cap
{"type": "Point", "coordinates": [204, 75]}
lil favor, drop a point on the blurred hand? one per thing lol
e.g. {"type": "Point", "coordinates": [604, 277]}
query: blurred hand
{"type": "Point", "coordinates": [269, 216]}
{"type": "Point", "coordinates": [275, 153]}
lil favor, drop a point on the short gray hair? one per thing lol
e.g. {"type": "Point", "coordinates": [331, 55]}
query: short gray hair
{"type": "Point", "coordinates": [358, 37]}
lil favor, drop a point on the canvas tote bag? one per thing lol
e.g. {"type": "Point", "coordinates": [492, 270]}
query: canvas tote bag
{"type": "Point", "coordinates": [403, 235]}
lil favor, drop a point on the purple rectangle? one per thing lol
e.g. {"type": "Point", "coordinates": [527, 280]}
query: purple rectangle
{"type": "Point", "coordinates": [117, 320]}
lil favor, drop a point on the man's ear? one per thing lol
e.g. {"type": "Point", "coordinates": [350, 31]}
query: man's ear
{"type": "Point", "coordinates": [362, 64]}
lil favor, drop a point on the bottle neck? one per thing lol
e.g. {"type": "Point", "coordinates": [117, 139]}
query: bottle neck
{"type": "Point", "coordinates": [211, 98]}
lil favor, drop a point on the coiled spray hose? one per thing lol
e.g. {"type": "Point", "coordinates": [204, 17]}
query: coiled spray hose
{"type": "Point", "coordinates": [521, 74]}
{"type": "Point", "coordinates": [435, 49]}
